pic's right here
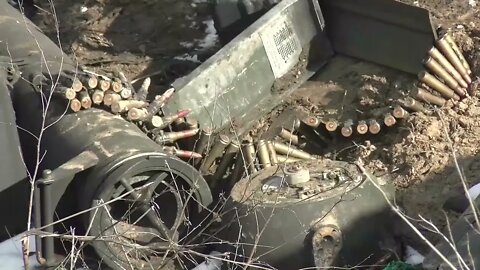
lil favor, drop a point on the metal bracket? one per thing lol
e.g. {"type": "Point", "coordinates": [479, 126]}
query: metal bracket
{"type": "Point", "coordinates": [49, 190]}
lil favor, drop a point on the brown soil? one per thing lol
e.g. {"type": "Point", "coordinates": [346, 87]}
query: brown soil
{"type": "Point", "coordinates": [144, 37]}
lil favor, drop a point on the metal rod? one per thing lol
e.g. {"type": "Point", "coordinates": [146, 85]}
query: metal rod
{"type": "Point", "coordinates": [440, 58]}
{"type": "Point", "coordinates": [38, 224]}
{"type": "Point", "coordinates": [47, 218]}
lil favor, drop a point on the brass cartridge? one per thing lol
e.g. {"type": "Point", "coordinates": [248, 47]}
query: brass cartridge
{"type": "Point", "coordinates": [85, 99]}
{"type": "Point", "coordinates": [458, 52]}
{"type": "Point", "coordinates": [414, 105]}
{"type": "Point", "coordinates": [116, 86]}
{"type": "Point", "coordinates": [263, 156]}
{"type": "Point", "coordinates": [171, 137]}
{"type": "Point", "coordinates": [436, 85]}
{"type": "Point", "coordinates": [347, 129]}
{"type": "Point", "coordinates": [288, 136]}
{"type": "Point", "coordinates": [399, 112]}
{"type": "Point", "coordinates": [424, 95]}
{"type": "Point", "coordinates": [440, 58]}
{"type": "Point", "coordinates": [311, 121]}
{"type": "Point", "coordinates": [75, 105]}
{"type": "Point", "coordinates": [92, 81]}
{"type": "Point", "coordinates": [440, 72]}
{"type": "Point", "coordinates": [452, 57]}
{"type": "Point", "coordinates": [272, 153]}
{"type": "Point", "coordinates": [122, 106]}
{"type": "Point", "coordinates": [289, 151]}
{"type": "Point", "coordinates": [331, 125]}
{"type": "Point", "coordinates": [104, 85]}
{"type": "Point", "coordinates": [77, 85]}
{"type": "Point", "coordinates": [110, 97]}
{"type": "Point", "coordinates": [373, 126]}
{"type": "Point", "coordinates": [97, 96]}
{"type": "Point", "coordinates": [65, 92]}
{"type": "Point", "coordinates": [362, 127]}
{"type": "Point", "coordinates": [249, 156]}
{"type": "Point", "coordinates": [215, 152]}
{"type": "Point", "coordinates": [284, 159]}
{"type": "Point", "coordinates": [389, 120]}
{"type": "Point", "coordinates": [142, 93]}
{"type": "Point", "coordinates": [227, 159]}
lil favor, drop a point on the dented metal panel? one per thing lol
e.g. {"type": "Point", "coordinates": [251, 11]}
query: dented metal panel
{"type": "Point", "coordinates": [249, 75]}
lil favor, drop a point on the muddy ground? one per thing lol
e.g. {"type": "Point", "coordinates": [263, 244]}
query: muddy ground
{"type": "Point", "coordinates": [168, 38]}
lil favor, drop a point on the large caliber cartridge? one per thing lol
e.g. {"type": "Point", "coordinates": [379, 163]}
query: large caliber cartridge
{"type": "Point", "coordinates": [440, 58]}
{"type": "Point", "coordinates": [362, 127]}
{"type": "Point", "coordinates": [226, 160]}
{"type": "Point", "coordinates": [436, 85]}
{"type": "Point", "coordinates": [215, 152]}
{"type": "Point", "coordinates": [347, 128]}
{"type": "Point", "coordinates": [171, 137]}
{"type": "Point", "coordinates": [440, 72]}
{"type": "Point", "coordinates": [373, 126]}
{"type": "Point", "coordinates": [289, 151]}
{"type": "Point", "coordinates": [458, 52]}
{"type": "Point", "coordinates": [424, 95]}
{"type": "Point", "coordinates": [263, 156]}
{"type": "Point", "coordinates": [450, 54]}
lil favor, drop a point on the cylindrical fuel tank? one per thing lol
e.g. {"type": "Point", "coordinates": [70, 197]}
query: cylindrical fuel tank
{"type": "Point", "coordinates": [337, 218]}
